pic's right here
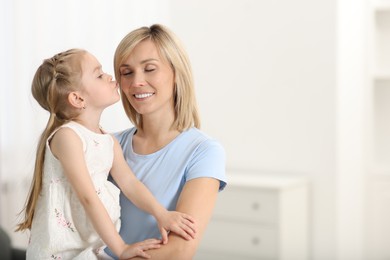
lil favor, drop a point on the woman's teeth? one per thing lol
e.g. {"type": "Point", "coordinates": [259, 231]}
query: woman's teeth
{"type": "Point", "coordinates": [144, 95]}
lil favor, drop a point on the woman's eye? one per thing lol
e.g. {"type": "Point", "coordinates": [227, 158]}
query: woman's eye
{"type": "Point", "coordinates": [125, 73]}
{"type": "Point", "coordinates": [100, 76]}
{"type": "Point", "coordinates": [150, 68]}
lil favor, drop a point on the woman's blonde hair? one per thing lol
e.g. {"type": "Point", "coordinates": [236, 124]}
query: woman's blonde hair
{"type": "Point", "coordinates": [55, 78]}
{"type": "Point", "coordinates": [170, 48]}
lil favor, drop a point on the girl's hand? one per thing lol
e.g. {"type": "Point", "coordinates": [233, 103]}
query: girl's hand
{"type": "Point", "coordinates": [177, 222]}
{"type": "Point", "coordinates": [138, 249]}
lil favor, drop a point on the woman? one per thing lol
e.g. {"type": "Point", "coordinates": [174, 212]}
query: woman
{"type": "Point", "coordinates": [182, 166]}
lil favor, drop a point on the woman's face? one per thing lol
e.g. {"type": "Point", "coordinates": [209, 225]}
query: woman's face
{"type": "Point", "coordinates": [147, 80]}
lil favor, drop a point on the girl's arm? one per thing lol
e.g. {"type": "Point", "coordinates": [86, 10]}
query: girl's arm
{"type": "Point", "coordinates": [197, 199]}
{"type": "Point", "coordinates": [68, 149]}
{"type": "Point", "coordinates": [180, 223]}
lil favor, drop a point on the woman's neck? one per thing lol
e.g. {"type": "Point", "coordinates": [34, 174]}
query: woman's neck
{"type": "Point", "coordinates": [157, 125]}
{"type": "Point", "coordinates": [154, 135]}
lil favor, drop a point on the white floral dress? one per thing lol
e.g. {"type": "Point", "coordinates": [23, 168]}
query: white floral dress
{"type": "Point", "coordinates": [61, 228]}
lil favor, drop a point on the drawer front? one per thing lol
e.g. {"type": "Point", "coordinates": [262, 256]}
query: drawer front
{"type": "Point", "coordinates": [234, 238]}
{"type": "Point", "coordinates": [251, 205]}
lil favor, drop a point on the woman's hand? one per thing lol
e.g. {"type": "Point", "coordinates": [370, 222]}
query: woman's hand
{"type": "Point", "coordinates": [177, 222]}
{"type": "Point", "coordinates": [138, 249]}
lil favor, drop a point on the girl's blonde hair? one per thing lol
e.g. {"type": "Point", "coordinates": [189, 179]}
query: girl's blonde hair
{"type": "Point", "coordinates": [55, 78]}
{"type": "Point", "coordinates": [170, 48]}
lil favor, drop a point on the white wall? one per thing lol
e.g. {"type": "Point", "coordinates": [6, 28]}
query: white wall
{"type": "Point", "coordinates": [351, 125]}
{"type": "Point", "coordinates": [268, 84]}
{"type": "Point", "coordinates": [266, 78]}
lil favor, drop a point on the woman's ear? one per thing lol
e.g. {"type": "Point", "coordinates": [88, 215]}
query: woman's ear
{"type": "Point", "coordinates": [76, 100]}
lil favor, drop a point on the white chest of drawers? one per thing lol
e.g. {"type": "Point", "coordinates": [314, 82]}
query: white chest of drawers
{"type": "Point", "coordinates": [258, 217]}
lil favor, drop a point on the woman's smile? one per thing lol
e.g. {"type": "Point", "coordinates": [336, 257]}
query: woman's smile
{"type": "Point", "coordinates": [143, 95]}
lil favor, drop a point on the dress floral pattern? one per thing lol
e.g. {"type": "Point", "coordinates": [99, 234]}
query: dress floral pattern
{"type": "Point", "coordinates": [61, 228]}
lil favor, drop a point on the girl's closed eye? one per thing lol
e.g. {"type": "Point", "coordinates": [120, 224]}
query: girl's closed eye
{"type": "Point", "coordinates": [100, 73]}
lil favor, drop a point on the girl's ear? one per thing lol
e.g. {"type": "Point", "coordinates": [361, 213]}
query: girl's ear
{"type": "Point", "coordinates": [76, 100]}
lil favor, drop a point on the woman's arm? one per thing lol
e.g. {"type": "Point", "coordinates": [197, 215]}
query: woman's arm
{"type": "Point", "coordinates": [138, 193]}
{"type": "Point", "coordinates": [68, 149]}
{"type": "Point", "coordinates": [197, 199]}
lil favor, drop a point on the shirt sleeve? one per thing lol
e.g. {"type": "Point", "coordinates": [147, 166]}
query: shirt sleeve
{"type": "Point", "coordinates": [208, 161]}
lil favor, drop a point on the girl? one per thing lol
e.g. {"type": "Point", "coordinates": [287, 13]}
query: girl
{"type": "Point", "coordinates": [72, 209]}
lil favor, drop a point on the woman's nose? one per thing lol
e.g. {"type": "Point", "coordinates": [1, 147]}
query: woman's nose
{"type": "Point", "coordinates": [138, 80]}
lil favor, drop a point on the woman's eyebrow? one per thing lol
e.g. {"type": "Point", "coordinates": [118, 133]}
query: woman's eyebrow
{"type": "Point", "coordinates": [148, 60]}
{"type": "Point", "coordinates": [125, 65]}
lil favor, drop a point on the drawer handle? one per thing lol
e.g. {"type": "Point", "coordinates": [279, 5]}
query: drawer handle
{"type": "Point", "coordinates": [255, 241]}
{"type": "Point", "coordinates": [255, 206]}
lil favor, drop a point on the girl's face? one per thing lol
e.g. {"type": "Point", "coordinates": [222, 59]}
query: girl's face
{"type": "Point", "coordinates": [147, 80]}
{"type": "Point", "coordinates": [99, 90]}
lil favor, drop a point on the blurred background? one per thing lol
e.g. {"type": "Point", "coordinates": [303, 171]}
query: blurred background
{"type": "Point", "coordinates": [292, 89]}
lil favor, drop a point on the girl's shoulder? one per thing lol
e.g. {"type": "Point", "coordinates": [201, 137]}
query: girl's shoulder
{"type": "Point", "coordinates": [65, 132]}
